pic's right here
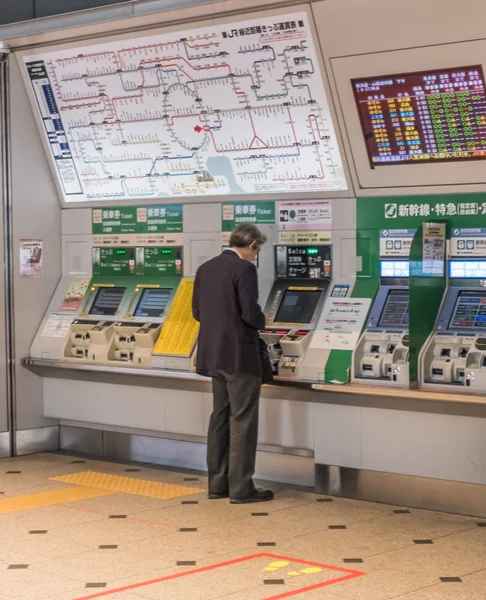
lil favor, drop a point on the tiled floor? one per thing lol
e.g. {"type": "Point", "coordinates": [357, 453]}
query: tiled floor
{"type": "Point", "coordinates": [76, 529]}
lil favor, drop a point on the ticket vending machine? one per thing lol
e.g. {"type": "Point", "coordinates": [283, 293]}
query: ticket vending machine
{"type": "Point", "coordinates": [134, 337]}
{"type": "Point", "coordinates": [382, 354]}
{"type": "Point", "coordinates": [454, 356]}
{"type": "Point", "coordinates": [303, 277]}
{"type": "Point", "coordinates": [121, 314]}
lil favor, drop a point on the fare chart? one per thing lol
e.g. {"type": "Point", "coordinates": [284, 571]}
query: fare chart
{"type": "Point", "coordinates": [229, 109]}
{"type": "Point", "coordinates": [423, 117]}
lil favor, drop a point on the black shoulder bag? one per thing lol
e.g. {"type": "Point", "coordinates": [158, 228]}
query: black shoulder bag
{"type": "Point", "coordinates": [267, 371]}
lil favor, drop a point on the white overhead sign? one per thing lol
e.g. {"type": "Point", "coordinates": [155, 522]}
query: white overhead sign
{"type": "Point", "coordinates": [227, 109]}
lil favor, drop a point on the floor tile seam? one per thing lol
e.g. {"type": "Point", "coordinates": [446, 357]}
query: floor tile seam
{"type": "Point", "coordinates": [420, 589]}
{"type": "Point", "coordinates": [35, 565]}
{"type": "Point", "coordinates": [471, 573]}
{"type": "Point", "coordinates": [245, 551]}
{"type": "Point", "coordinates": [440, 537]}
{"type": "Point", "coordinates": [91, 551]}
{"type": "Point", "coordinates": [107, 518]}
{"type": "Point", "coordinates": [412, 545]}
{"type": "Point", "coordinates": [237, 520]}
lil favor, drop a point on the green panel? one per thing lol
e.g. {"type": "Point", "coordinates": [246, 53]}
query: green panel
{"type": "Point", "coordinates": [257, 213]}
{"type": "Point", "coordinates": [461, 210]}
{"type": "Point", "coordinates": [166, 262]}
{"type": "Point", "coordinates": [137, 219]}
{"type": "Point", "coordinates": [426, 293]}
{"type": "Point", "coordinates": [114, 262]}
{"type": "Point", "coordinates": [127, 262]}
{"type": "Point", "coordinates": [338, 366]}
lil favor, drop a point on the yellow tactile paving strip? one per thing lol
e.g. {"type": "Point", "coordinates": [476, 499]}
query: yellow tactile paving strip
{"type": "Point", "coordinates": [128, 485]}
{"type": "Point", "coordinates": [30, 501]}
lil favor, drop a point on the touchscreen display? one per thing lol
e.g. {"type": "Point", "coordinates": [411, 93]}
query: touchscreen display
{"type": "Point", "coordinates": [153, 302]}
{"type": "Point", "coordinates": [298, 306]}
{"type": "Point", "coordinates": [107, 301]}
{"type": "Point", "coordinates": [469, 311]}
{"type": "Point", "coordinates": [395, 311]}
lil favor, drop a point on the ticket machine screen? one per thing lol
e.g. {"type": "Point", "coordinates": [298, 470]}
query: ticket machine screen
{"type": "Point", "coordinates": [153, 302]}
{"type": "Point", "coordinates": [395, 311]}
{"type": "Point", "coordinates": [107, 301]}
{"type": "Point", "coordinates": [469, 311]}
{"type": "Point", "coordinates": [298, 306]}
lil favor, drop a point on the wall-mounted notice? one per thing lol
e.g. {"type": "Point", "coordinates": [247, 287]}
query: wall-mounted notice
{"type": "Point", "coordinates": [468, 241]}
{"type": "Point", "coordinates": [396, 242]}
{"type": "Point", "coordinates": [75, 294]}
{"type": "Point", "coordinates": [138, 226]}
{"type": "Point", "coordinates": [306, 222]}
{"type": "Point", "coordinates": [340, 324]}
{"type": "Point", "coordinates": [179, 333]}
{"type": "Point", "coordinates": [256, 213]}
{"type": "Point", "coordinates": [433, 249]}
{"type": "Point", "coordinates": [234, 108]}
{"type": "Point", "coordinates": [57, 325]}
{"type": "Point", "coordinates": [31, 258]}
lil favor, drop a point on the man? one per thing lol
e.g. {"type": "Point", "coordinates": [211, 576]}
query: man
{"type": "Point", "coordinates": [225, 303]}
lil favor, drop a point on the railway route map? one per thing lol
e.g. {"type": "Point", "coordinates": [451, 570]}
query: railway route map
{"type": "Point", "coordinates": [229, 109]}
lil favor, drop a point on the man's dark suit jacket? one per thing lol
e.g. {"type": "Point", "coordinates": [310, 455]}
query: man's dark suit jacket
{"type": "Point", "coordinates": [225, 302]}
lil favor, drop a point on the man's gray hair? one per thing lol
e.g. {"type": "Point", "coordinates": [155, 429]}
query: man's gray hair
{"type": "Point", "coordinates": [244, 236]}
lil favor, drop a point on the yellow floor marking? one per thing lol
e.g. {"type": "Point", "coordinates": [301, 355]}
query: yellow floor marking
{"type": "Point", "coordinates": [305, 571]}
{"type": "Point", "coordinates": [277, 564]}
{"type": "Point", "coordinates": [128, 485]}
{"type": "Point", "coordinates": [310, 570]}
{"type": "Point", "coordinates": [18, 503]}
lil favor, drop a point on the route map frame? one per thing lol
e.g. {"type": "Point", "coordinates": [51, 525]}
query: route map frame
{"type": "Point", "coordinates": [150, 117]}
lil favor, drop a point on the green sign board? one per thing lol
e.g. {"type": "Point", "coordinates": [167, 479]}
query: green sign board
{"type": "Point", "coordinates": [137, 219]}
{"type": "Point", "coordinates": [113, 262]}
{"type": "Point", "coordinates": [257, 213]}
{"type": "Point", "coordinates": [411, 211]}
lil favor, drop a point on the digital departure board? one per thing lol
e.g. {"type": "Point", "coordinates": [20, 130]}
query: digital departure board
{"type": "Point", "coordinates": [303, 262]}
{"type": "Point", "coordinates": [469, 311]}
{"type": "Point", "coordinates": [107, 301]}
{"type": "Point", "coordinates": [298, 306]}
{"type": "Point", "coordinates": [428, 116]}
{"type": "Point", "coordinates": [153, 302]}
{"type": "Point", "coordinates": [395, 311]}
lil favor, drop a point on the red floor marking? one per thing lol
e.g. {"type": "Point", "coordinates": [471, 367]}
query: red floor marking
{"type": "Point", "coordinates": [350, 574]}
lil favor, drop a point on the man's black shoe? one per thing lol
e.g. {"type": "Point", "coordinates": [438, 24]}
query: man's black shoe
{"type": "Point", "coordinates": [256, 496]}
{"type": "Point", "coordinates": [218, 496]}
